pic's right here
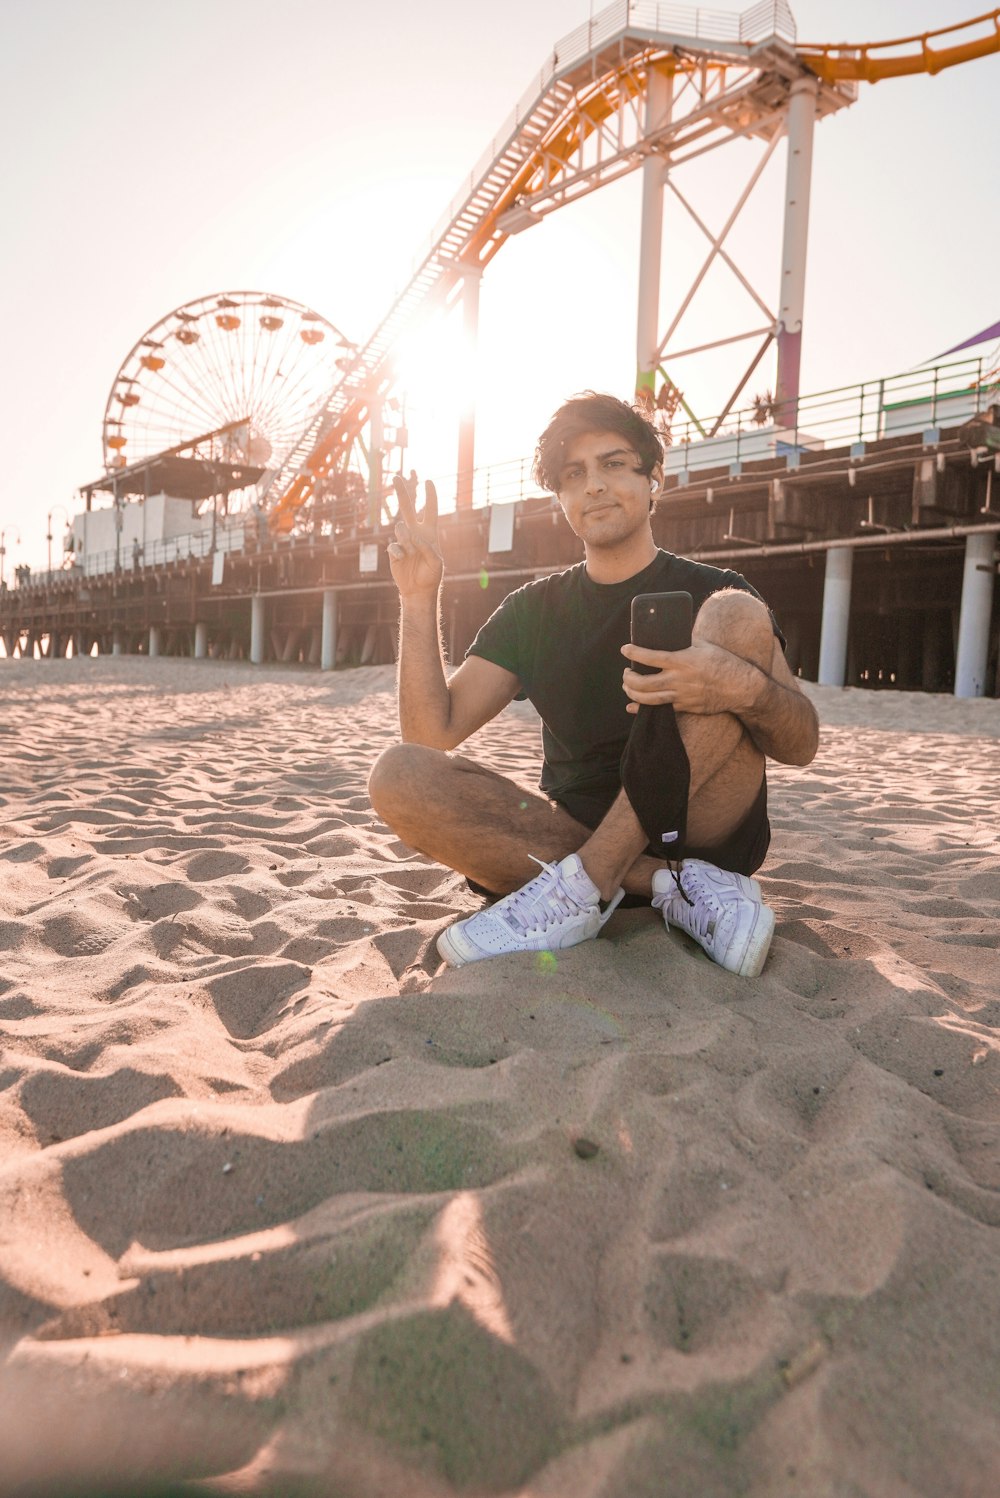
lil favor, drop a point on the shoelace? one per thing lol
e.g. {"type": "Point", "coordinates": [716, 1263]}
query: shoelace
{"type": "Point", "coordinates": [703, 915]}
{"type": "Point", "coordinates": [680, 888]}
{"type": "Point", "coordinates": [545, 892]}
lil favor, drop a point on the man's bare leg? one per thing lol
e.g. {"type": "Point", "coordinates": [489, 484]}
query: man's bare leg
{"type": "Point", "coordinates": [470, 818]}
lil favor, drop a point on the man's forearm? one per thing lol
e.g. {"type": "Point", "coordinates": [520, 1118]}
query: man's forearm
{"type": "Point", "coordinates": [424, 700]}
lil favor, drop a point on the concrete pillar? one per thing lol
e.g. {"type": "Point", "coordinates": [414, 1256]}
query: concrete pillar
{"type": "Point", "coordinates": [328, 644]}
{"type": "Point", "coordinates": [836, 616]}
{"type": "Point", "coordinates": [155, 640]}
{"type": "Point", "coordinates": [791, 296]}
{"type": "Point", "coordinates": [659, 104]}
{"type": "Point", "coordinates": [257, 612]}
{"type": "Point", "coordinates": [116, 642]}
{"type": "Point", "coordinates": [200, 640]}
{"type": "Point", "coordinates": [974, 620]}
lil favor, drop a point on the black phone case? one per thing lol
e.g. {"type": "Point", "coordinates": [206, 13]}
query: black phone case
{"type": "Point", "coordinates": [661, 621]}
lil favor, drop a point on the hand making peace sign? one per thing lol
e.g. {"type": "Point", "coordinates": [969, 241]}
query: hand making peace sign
{"type": "Point", "coordinates": [414, 558]}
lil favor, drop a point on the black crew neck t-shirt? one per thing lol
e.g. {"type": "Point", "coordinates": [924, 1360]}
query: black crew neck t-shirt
{"type": "Point", "coordinates": [561, 637]}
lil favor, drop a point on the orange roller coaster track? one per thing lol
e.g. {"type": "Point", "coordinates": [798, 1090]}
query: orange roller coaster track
{"type": "Point", "coordinates": [865, 64]}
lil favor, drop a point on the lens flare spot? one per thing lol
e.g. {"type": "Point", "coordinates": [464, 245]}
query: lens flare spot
{"type": "Point", "coordinates": [484, 578]}
{"type": "Point", "coordinates": [546, 962]}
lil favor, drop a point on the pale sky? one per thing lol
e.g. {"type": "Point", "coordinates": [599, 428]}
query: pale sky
{"type": "Point", "coordinates": [152, 154]}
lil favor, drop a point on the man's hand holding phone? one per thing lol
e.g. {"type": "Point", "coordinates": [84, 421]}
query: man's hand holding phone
{"type": "Point", "coordinates": [696, 680]}
{"type": "Point", "coordinates": [666, 667]}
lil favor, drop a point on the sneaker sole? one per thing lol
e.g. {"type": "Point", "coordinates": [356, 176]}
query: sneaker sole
{"type": "Point", "coordinates": [758, 945]}
{"type": "Point", "coordinates": [448, 951]}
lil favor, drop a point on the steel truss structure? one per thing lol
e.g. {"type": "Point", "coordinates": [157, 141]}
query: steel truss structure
{"type": "Point", "coordinates": [641, 85]}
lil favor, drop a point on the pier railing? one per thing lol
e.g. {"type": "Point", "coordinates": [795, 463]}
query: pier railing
{"type": "Point", "coordinates": [915, 402]}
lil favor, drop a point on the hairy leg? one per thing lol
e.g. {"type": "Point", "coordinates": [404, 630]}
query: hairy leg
{"type": "Point", "coordinates": [472, 819]}
{"type": "Point", "coordinates": [726, 766]}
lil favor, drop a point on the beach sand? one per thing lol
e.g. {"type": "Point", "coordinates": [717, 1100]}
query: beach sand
{"type": "Point", "coordinates": [288, 1208]}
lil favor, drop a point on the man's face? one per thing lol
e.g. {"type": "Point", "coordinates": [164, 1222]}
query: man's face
{"type": "Point", "coordinates": [604, 494]}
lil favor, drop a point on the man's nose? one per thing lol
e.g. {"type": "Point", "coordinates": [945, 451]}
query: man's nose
{"type": "Point", "coordinates": [595, 481]}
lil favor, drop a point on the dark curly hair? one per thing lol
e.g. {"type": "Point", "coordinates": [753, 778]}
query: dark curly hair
{"type": "Point", "coordinates": [590, 412]}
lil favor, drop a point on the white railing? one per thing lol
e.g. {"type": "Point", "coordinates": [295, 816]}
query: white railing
{"type": "Point", "coordinates": [914, 402]}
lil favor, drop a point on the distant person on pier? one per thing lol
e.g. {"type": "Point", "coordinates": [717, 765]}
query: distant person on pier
{"type": "Point", "coordinates": [652, 786]}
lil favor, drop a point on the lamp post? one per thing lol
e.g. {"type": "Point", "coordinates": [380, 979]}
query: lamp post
{"type": "Point", "coordinates": [3, 552]}
{"type": "Point", "coordinates": [48, 532]}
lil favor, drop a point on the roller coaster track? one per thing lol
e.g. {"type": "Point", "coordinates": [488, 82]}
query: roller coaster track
{"type": "Point", "coordinates": [579, 126]}
{"type": "Point", "coordinates": [870, 62]}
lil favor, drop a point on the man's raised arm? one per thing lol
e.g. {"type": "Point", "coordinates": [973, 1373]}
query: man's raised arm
{"type": "Point", "coordinates": [434, 711]}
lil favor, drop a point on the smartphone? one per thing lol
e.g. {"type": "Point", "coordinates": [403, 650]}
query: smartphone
{"type": "Point", "coordinates": [661, 621]}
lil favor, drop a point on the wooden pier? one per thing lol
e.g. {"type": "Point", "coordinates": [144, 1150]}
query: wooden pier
{"type": "Point", "coordinates": [888, 544]}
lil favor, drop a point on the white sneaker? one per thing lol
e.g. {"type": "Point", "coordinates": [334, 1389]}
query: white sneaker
{"type": "Point", "coordinates": [558, 908]}
{"type": "Point", "coordinates": [724, 913]}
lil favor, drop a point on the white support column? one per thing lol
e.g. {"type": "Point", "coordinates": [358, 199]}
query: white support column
{"type": "Point", "coordinates": [155, 639]}
{"type": "Point", "coordinates": [328, 646]}
{"type": "Point", "coordinates": [467, 421]}
{"type": "Point", "coordinates": [836, 616]}
{"type": "Point", "coordinates": [200, 640]}
{"type": "Point", "coordinates": [659, 103]}
{"type": "Point", "coordinates": [257, 612]}
{"type": "Point", "coordinates": [791, 297]}
{"type": "Point", "coordinates": [974, 620]}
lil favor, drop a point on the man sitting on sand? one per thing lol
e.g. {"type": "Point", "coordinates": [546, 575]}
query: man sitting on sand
{"type": "Point", "coordinates": [688, 741]}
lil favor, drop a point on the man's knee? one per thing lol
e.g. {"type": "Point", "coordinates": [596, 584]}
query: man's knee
{"type": "Point", "coordinates": [738, 622]}
{"type": "Point", "coordinates": [400, 774]}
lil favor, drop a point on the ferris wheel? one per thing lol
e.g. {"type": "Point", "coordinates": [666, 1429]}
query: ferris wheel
{"type": "Point", "coordinates": [257, 364]}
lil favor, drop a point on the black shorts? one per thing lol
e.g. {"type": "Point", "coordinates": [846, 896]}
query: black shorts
{"type": "Point", "coordinates": [743, 851]}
